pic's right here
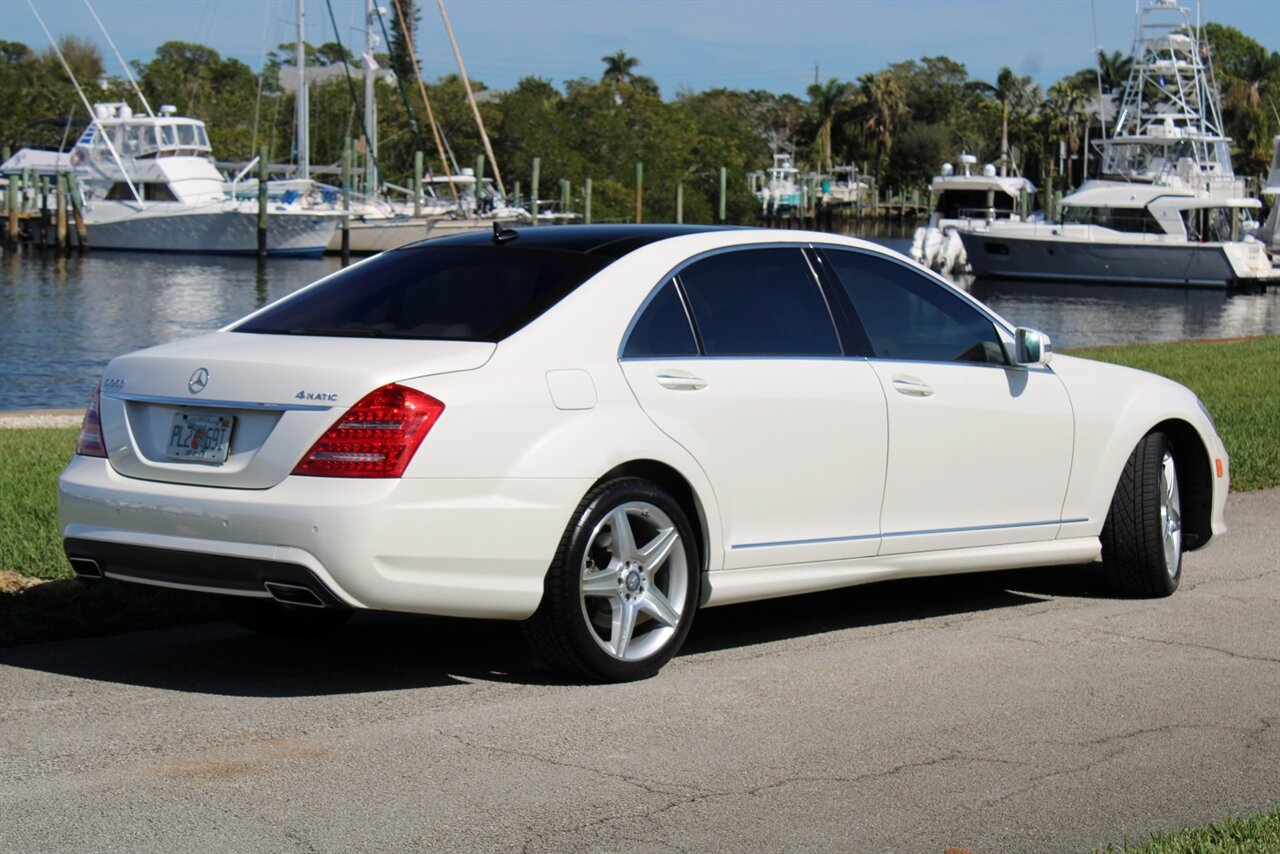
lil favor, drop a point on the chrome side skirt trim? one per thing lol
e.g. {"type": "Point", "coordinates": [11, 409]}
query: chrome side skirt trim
{"type": "Point", "coordinates": [745, 585]}
{"type": "Point", "coordinates": [856, 537]}
{"type": "Point", "coordinates": [807, 542]}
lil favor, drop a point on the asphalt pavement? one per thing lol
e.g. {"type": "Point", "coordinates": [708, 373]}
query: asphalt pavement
{"type": "Point", "coordinates": [1001, 712]}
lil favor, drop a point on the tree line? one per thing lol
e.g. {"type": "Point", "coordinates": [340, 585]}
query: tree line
{"type": "Point", "coordinates": [897, 124]}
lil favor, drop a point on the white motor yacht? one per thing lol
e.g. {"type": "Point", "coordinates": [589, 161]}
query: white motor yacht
{"type": "Point", "coordinates": [150, 184]}
{"type": "Point", "coordinates": [1167, 208]}
{"type": "Point", "coordinates": [966, 199]}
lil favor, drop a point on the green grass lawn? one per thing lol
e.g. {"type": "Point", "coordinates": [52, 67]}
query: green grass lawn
{"type": "Point", "coordinates": [1239, 381]}
{"type": "Point", "coordinates": [1257, 834]}
{"type": "Point", "coordinates": [30, 462]}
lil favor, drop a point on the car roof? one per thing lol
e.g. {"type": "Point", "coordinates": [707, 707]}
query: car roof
{"type": "Point", "coordinates": [610, 241]}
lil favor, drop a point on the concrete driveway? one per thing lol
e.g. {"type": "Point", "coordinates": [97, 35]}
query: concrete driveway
{"type": "Point", "coordinates": [999, 712]}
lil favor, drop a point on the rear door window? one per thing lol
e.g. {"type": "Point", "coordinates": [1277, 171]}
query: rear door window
{"type": "Point", "coordinates": [908, 316]}
{"type": "Point", "coordinates": [459, 293]}
{"type": "Point", "coordinates": [759, 302]}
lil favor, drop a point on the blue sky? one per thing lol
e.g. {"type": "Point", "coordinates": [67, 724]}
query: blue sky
{"type": "Point", "coordinates": [683, 44]}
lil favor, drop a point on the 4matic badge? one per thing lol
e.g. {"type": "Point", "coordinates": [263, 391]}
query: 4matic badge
{"type": "Point", "coordinates": [317, 395]}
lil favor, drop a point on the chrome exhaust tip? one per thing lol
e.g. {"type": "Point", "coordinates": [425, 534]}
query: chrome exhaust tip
{"type": "Point", "coordinates": [85, 567]}
{"type": "Point", "coordinates": [293, 594]}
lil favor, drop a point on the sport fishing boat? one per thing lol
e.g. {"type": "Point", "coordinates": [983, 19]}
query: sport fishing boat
{"type": "Point", "coordinates": [779, 191]}
{"type": "Point", "coordinates": [1167, 209]}
{"type": "Point", "coordinates": [966, 199]}
{"type": "Point", "coordinates": [150, 184]}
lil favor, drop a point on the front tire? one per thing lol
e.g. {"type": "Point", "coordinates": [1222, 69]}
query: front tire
{"type": "Point", "coordinates": [1142, 536]}
{"type": "Point", "coordinates": [621, 593]}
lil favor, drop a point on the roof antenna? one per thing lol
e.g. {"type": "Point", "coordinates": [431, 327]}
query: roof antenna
{"type": "Point", "coordinates": [503, 235]}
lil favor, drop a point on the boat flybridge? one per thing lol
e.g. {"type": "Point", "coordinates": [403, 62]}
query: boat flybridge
{"type": "Point", "coordinates": [966, 198]}
{"type": "Point", "coordinates": [1166, 209]}
{"type": "Point", "coordinates": [150, 184]}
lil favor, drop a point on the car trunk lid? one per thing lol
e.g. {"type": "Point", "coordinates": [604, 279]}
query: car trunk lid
{"type": "Point", "coordinates": [165, 409]}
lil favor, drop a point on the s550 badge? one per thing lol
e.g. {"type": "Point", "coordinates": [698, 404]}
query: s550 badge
{"type": "Point", "coordinates": [317, 395]}
{"type": "Point", "coordinates": [113, 383]}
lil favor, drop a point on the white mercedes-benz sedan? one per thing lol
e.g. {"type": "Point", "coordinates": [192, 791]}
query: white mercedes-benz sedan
{"type": "Point", "coordinates": [600, 430]}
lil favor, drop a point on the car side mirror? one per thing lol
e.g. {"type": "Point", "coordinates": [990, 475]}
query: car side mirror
{"type": "Point", "coordinates": [1032, 348]}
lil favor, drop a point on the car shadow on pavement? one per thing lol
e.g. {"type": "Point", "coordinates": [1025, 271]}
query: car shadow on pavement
{"type": "Point", "coordinates": [378, 652]}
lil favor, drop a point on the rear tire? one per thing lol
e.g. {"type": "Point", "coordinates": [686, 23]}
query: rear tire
{"type": "Point", "coordinates": [623, 588]}
{"type": "Point", "coordinates": [269, 617]}
{"type": "Point", "coordinates": [1142, 536]}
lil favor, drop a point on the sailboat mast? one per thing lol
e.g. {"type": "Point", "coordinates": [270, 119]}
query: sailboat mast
{"type": "Point", "coordinates": [466, 82]}
{"type": "Point", "coordinates": [304, 130]}
{"type": "Point", "coordinates": [370, 104]}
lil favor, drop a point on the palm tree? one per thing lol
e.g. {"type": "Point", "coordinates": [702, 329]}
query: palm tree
{"type": "Point", "coordinates": [618, 67]}
{"type": "Point", "coordinates": [1064, 114]}
{"type": "Point", "coordinates": [826, 100]}
{"type": "Point", "coordinates": [1114, 69]}
{"type": "Point", "coordinates": [1019, 97]}
{"type": "Point", "coordinates": [883, 107]}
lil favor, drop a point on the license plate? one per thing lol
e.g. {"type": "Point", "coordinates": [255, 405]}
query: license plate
{"type": "Point", "coordinates": [203, 438]}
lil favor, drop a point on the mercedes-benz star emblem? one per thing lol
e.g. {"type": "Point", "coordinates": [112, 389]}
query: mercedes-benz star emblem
{"type": "Point", "coordinates": [198, 380]}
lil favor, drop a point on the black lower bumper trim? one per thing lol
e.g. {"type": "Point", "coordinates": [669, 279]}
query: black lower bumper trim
{"type": "Point", "coordinates": [126, 562]}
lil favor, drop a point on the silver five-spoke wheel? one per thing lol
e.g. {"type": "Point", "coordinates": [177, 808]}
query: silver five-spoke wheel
{"type": "Point", "coordinates": [624, 586]}
{"type": "Point", "coordinates": [634, 581]}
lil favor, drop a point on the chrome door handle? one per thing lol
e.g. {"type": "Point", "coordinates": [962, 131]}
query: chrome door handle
{"type": "Point", "coordinates": [911, 387]}
{"type": "Point", "coordinates": [677, 383]}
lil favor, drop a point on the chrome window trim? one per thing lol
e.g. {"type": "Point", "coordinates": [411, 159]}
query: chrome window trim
{"type": "Point", "coordinates": [216, 404]}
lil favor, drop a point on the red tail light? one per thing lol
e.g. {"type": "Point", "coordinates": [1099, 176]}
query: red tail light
{"type": "Point", "coordinates": [90, 443]}
{"type": "Point", "coordinates": [375, 438]}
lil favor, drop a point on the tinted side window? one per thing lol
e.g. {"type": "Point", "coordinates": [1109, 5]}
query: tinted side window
{"type": "Point", "coordinates": [908, 316]}
{"type": "Point", "coordinates": [663, 329]}
{"type": "Point", "coordinates": [759, 302]}
{"type": "Point", "coordinates": [471, 293]}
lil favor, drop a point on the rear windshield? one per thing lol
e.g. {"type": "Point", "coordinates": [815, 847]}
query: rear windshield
{"type": "Point", "coordinates": [457, 293]}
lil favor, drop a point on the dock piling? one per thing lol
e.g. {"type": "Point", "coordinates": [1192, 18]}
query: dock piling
{"type": "Point", "coordinates": [586, 201]}
{"type": "Point", "coordinates": [723, 182]}
{"type": "Point", "coordinates": [11, 197]}
{"type": "Point", "coordinates": [639, 192]}
{"type": "Point", "coordinates": [680, 202]}
{"type": "Point", "coordinates": [417, 183]}
{"type": "Point", "coordinates": [346, 201]}
{"type": "Point", "coordinates": [77, 211]}
{"type": "Point", "coordinates": [533, 189]}
{"type": "Point", "coordinates": [60, 207]}
{"type": "Point", "coordinates": [262, 203]}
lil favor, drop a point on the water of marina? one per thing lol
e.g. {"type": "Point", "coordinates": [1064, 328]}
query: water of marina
{"type": "Point", "coordinates": [63, 319]}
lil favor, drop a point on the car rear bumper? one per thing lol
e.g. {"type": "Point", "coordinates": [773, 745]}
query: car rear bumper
{"type": "Point", "coordinates": [458, 547]}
